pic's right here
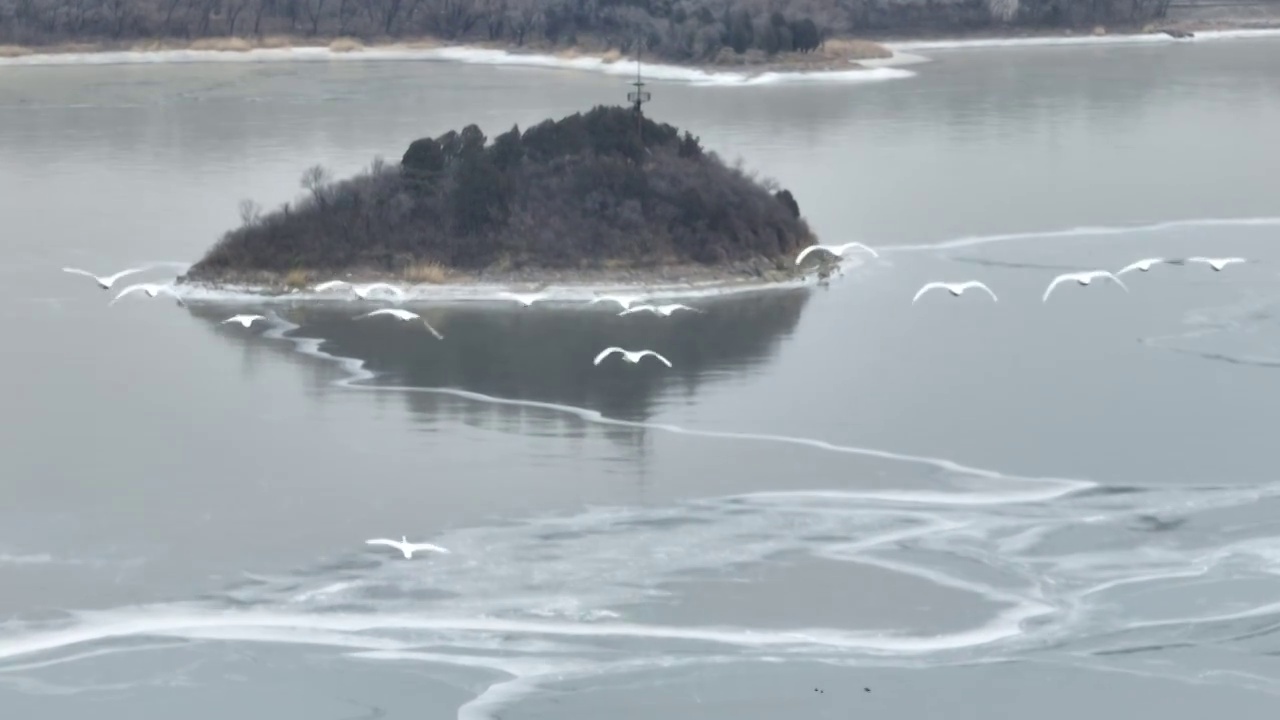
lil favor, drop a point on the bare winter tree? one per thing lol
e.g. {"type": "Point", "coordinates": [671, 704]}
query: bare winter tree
{"type": "Point", "coordinates": [1002, 10]}
{"type": "Point", "coordinates": [315, 179]}
{"type": "Point", "coordinates": [250, 212]}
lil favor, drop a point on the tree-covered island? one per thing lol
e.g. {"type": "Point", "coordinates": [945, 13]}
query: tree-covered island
{"type": "Point", "coordinates": [606, 195]}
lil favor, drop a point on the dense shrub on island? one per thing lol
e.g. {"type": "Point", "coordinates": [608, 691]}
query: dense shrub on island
{"type": "Point", "coordinates": [605, 189]}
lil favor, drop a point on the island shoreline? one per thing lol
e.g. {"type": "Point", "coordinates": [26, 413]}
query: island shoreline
{"type": "Point", "coordinates": [669, 282]}
{"type": "Point", "coordinates": [844, 55]}
{"type": "Point", "coordinates": [748, 275]}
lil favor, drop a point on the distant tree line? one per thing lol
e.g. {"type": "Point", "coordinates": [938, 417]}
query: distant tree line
{"type": "Point", "coordinates": [691, 30]}
{"type": "Point", "coordinates": [604, 188]}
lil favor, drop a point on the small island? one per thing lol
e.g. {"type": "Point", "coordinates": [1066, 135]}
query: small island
{"type": "Point", "coordinates": [606, 196]}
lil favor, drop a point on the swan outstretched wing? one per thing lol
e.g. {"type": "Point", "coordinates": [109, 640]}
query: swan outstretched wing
{"type": "Point", "coordinates": [980, 284]}
{"type": "Point", "coordinates": [245, 320]}
{"type": "Point", "coordinates": [384, 541]}
{"type": "Point", "coordinates": [144, 287]}
{"type": "Point", "coordinates": [110, 279]}
{"type": "Point", "coordinates": [668, 309]}
{"type": "Point", "coordinates": [106, 280]}
{"type": "Point", "coordinates": [650, 352]}
{"type": "Point", "coordinates": [427, 547]}
{"type": "Point", "coordinates": [394, 312]}
{"type": "Point", "coordinates": [639, 308]}
{"type": "Point", "coordinates": [1065, 277]}
{"type": "Point", "coordinates": [606, 353]}
{"type": "Point", "coordinates": [1217, 263]}
{"type": "Point", "coordinates": [78, 271]}
{"type": "Point", "coordinates": [848, 245]}
{"type": "Point", "coordinates": [1112, 276]}
{"type": "Point", "coordinates": [803, 253]}
{"type": "Point", "coordinates": [367, 289]}
{"type": "Point", "coordinates": [927, 287]}
{"type": "Point", "coordinates": [623, 301]}
{"type": "Point", "coordinates": [522, 299]}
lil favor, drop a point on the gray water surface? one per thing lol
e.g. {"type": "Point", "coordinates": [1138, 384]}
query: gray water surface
{"type": "Point", "coordinates": [835, 503]}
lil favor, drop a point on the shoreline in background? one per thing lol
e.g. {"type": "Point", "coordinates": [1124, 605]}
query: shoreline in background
{"type": "Point", "coordinates": [844, 59]}
{"type": "Point", "coordinates": [835, 54]}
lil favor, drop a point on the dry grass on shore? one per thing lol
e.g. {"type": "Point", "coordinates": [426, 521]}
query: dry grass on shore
{"type": "Point", "coordinates": [346, 44]}
{"type": "Point", "coordinates": [853, 49]}
{"type": "Point", "coordinates": [297, 278]}
{"type": "Point", "coordinates": [430, 273]}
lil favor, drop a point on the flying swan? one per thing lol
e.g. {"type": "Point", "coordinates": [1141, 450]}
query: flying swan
{"type": "Point", "coordinates": [245, 320]}
{"type": "Point", "coordinates": [1217, 263]}
{"type": "Point", "coordinates": [401, 314]}
{"type": "Point", "coordinates": [622, 300]}
{"type": "Point", "coordinates": [406, 547]}
{"type": "Point", "coordinates": [364, 291]}
{"type": "Point", "coordinates": [151, 289]}
{"type": "Point", "coordinates": [955, 289]}
{"type": "Point", "coordinates": [1084, 278]}
{"type": "Point", "coordinates": [630, 356]}
{"type": "Point", "coordinates": [525, 299]}
{"type": "Point", "coordinates": [1146, 264]}
{"type": "Point", "coordinates": [837, 250]}
{"type": "Point", "coordinates": [104, 281]}
{"type": "Point", "coordinates": [663, 310]}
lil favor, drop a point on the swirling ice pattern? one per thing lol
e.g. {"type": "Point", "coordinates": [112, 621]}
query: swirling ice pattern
{"type": "Point", "coordinates": [1066, 571]}
{"type": "Point", "coordinates": [1253, 319]}
{"type": "Point", "coordinates": [550, 598]}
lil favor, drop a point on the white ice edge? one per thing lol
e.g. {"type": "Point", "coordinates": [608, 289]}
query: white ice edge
{"type": "Point", "coordinates": [870, 71]}
{"type": "Point", "coordinates": [1118, 39]}
{"type": "Point", "coordinates": [575, 294]}
{"type": "Point", "coordinates": [466, 55]}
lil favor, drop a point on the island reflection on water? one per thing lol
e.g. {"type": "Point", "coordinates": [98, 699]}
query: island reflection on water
{"type": "Point", "coordinates": [541, 354]}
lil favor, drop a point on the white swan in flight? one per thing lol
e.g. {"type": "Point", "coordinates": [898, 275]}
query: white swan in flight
{"type": "Point", "coordinates": [629, 355]}
{"type": "Point", "coordinates": [402, 314]}
{"type": "Point", "coordinates": [330, 285]}
{"type": "Point", "coordinates": [525, 299]}
{"type": "Point", "coordinates": [406, 547]}
{"type": "Point", "coordinates": [104, 281]}
{"type": "Point", "coordinates": [623, 300]}
{"type": "Point", "coordinates": [1146, 264]}
{"type": "Point", "coordinates": [245, 320]}
{"type": "Point", "coordinates": [663, 310]}
{"type": "Point", "coordinates": [837, 250]}
{"type": "Point", "coordinates": [151, 289]}
{"type": "Point", "coordinates": [1217, 263]}
{"type": "Point", "coordinates": [955, 289]}
{"type": "Point", "coordinates": [1084, 278]}
{"type": "Point", "coordinates": [363, 291]}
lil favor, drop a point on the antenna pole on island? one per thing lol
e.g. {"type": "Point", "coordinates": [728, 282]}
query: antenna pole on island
{"type": "Point", "coordinates": [639, 96]}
